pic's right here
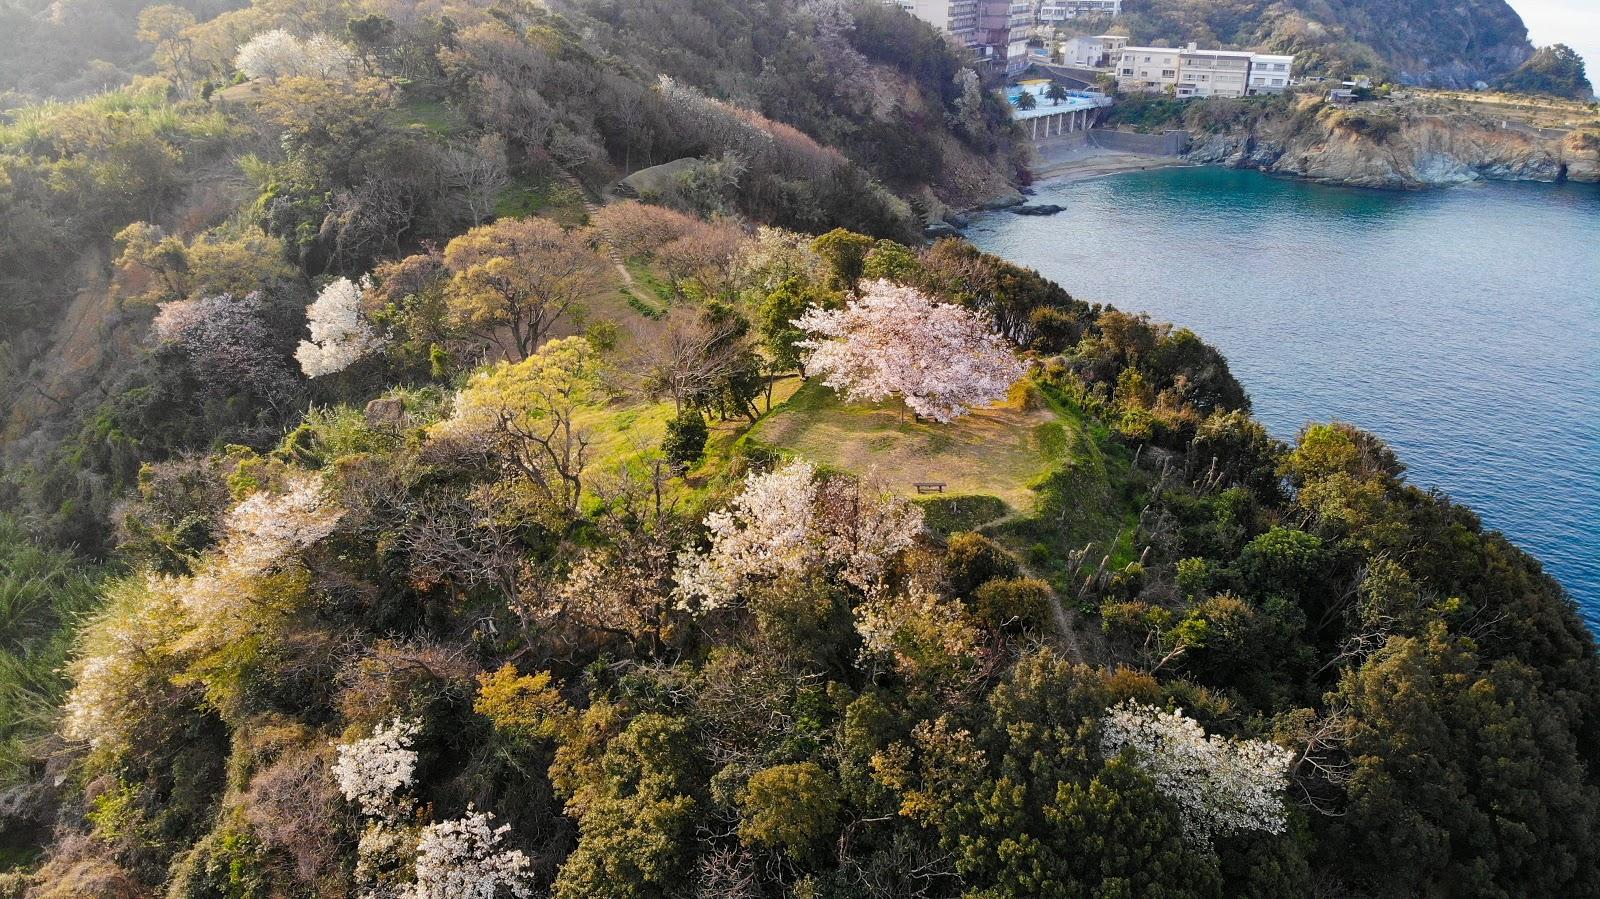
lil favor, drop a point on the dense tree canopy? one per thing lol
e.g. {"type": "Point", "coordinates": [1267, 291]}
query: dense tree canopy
{"type": "Point", "coordinates": [411, 524]}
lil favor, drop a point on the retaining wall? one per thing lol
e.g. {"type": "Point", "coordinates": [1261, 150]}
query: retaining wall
{"type": "Point", "coordinates": [1172, 143]}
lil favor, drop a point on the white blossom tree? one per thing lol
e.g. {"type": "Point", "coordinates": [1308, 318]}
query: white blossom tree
{"type": "Point", "coordinates": [371, 771]}
{"type": "Point", "coordinates": [270, 54]}
{"type": "Point", "coordinates": [278, 54]}
{"type": "Point", "coordinates": [1221, 786]}
{"type": "Point", "coordinates": [789, 523]}
{"type": "Point", "coordinates": [466, 859]}
{"type": "Point", "coordinates": [340, 335]}
{"type": "Point", "coordinates": [943, 360]}
{"type": "Point", "coordinates": [163, 620]}
{"type": "Point", "coordinates": [268, 527]}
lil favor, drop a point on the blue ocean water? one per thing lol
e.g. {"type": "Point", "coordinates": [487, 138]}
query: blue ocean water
{"type": "Point", "coordinates": [1461, 325]}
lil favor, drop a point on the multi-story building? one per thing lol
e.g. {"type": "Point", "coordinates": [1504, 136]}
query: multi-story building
{"type": "Point", "coordinates": [956, 18]}
{"type": "Point", "coordinates": [1003, 28]}
{"type": "Point", "coordinates": [1269, 73]}
{"type": "Point", "coordinates": [996, 30]}
{"type": "Point", "coordinates": [1192, 72]}
{"type": "Point", "coordinates": [1213, 73]}
{"type": "Point", "coordinates": [1017, 39]}
{"type": "Point", "coordinates": [1098, 52]}
{"type": "Point", "coordinates": [1150, 69]}
{"type": "Point", "coordinates": [1055, 12]}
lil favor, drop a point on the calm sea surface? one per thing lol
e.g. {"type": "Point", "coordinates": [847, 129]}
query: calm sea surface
{"type": "Point", "coordinates": [1461, 325]}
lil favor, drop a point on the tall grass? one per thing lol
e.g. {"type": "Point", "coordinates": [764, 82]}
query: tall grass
{"type": "Point", "coordinates": [44, 595]}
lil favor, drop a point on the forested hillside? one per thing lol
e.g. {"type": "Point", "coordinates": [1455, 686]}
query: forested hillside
{"type": "Point", "coordinates": [392, 507]}
{"type": "Point", "coordinates": [1427, 42]}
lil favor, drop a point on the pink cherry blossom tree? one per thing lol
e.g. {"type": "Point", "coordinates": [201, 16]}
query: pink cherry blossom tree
{"type": "Point", "coordinates": [941, 359]}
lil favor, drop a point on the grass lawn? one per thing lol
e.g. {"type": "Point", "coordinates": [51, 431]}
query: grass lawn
{"type": "Point", "coordinates": [553, 199]}
{"type": "Point", "coordinates": [1044, 481]}
{"type": "Point", "coordinates": [431, 115]}
{"type": "Point", "coordinates": [999, 452]}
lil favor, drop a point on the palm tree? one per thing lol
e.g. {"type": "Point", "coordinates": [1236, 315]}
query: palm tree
{"type": "Point", "coordinates": [1026, 100]}
{"type": "Point", "coordinates": [1056, 92]}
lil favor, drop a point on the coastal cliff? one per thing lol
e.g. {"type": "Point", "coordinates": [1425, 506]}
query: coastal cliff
{"type": "Point", "coordinates": [1400, 149]}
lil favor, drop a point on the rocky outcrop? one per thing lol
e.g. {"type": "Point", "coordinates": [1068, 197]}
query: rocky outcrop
{"type": "Point", "coordinates": [1401, 151]}
{"type": "Point", "coordinates": [1580, 153]}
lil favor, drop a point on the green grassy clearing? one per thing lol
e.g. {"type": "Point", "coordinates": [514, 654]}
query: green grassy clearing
{"type": "Point", "coordinates": [1044, 481]}
{"type": "Point", "coordinates": [554, 199]}
{"type": "Point", "coordinates": [432, 115]}
{"type": "Point", "coordinates": [998, 452]}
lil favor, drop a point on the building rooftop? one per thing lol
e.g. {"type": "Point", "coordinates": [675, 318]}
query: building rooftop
{"type": "Point", "coordinates": [1241, 54]}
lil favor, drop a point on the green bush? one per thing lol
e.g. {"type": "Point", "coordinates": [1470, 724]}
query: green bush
{"type": "Point", "coordinates": [685, 440]}
{"type": "Point", "coordinates": [1014, 603]}
{"type": "Point", "coordinates": [972, 560]}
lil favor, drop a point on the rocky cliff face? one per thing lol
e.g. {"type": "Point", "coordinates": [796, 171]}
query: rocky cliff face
{"type": "Point", "coordinates": [1405, 152]}
{"type": "Point", "coordinates": [1442, 43]}
{"type": "Point", "coordinates": [1437, 43]}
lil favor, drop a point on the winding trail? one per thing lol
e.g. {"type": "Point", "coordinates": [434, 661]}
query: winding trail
{"type": "Point", "coordinates": [591, 207]}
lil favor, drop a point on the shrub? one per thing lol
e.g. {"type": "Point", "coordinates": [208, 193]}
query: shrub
{"type": "Point", "coordinates": [972, 560]}
{"type": "Point", "coordinates": [685, 440]}
{"type": "Point", "coordinates": [1014, 603]}
{"type": "Point", "coordinates": [792, 807]}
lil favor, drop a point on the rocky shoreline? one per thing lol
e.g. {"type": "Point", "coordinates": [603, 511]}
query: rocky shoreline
{"type": "Point", "coordinates": [1401, 152]}
{"type": "Point", "coordinates": [1383, 152]}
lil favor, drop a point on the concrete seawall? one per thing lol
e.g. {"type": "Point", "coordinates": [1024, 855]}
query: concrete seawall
{"type": "Point", "coordinates": [1172, 143]}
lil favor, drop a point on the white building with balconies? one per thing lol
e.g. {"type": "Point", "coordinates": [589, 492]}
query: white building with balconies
{"type": "Point", "coordinates": [1192, 72]}
{"type": "Point", "coordinates": [1148, 69]}
{"type": "Point", "coordinates": [1212, 73]}
{"type": "Point", "coordinates": [1056, 12]}
{"type": "Point", "coordinates": [1270, 73]}
{"type": "Point", "coordinates": [1098, 52]}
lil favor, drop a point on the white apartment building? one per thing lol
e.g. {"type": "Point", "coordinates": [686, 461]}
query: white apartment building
{"type": "Point", "coordinates": [1213, 73]}
{"type": "Point", "coordinates": [1150, 69]}
{"type": "Point", "coordinates": [1054, 12]}
{"type": "Point", "coordinates": [1098, 52]}
{"type": "Point", "coordinates": [1192, 72]}
{"type": "Point", "coordinates": [956, 18]}
{"type": "Point", "coordinates": [1269, 73]}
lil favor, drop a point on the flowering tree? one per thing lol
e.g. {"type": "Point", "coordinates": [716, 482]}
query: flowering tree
{"type": "Point", "coordinates": [270, 54]}
{"type": "Point", "coordinates": [895, 341]}
{"type": "Point", "coordinates": [774, 257]}
{"type": "Point", "coordinates": [466, 859]}
{"type": "Point", "coordinates": [922, 632]}
{"type": "Point", "coordinates": [1221, 786]}
{"type": "Point", "coordinates": [228, 345]}
{"type": "Point", "coordinates": [164, 623]}
{"type": "Point", "coordinates": [268, 527]}
{"type": "Point", "coordinates": [279, 54]}
{"type": "Point", "coordinates": [789, 523]}
{"type": "Point", "coordinates": [340, 334]}
{"type": "Point", "coordinates": [371, 771]}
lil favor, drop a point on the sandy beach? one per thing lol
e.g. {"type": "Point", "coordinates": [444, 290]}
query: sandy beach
{"type": "Point", "coordinates": [1082, 160]}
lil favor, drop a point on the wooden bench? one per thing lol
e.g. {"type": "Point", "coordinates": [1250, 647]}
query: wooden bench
{"type": "Point", "coordinates": [930, 486]}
